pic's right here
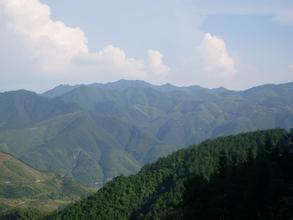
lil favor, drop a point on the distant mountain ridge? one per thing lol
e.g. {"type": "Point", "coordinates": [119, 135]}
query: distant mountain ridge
{"type": "Point", "coordinates": [119, 85]}
{"type": "Point", "coordinates": [98, 131]}
{"type": "Point", "coordinates": [123, 84]}
{"type": "Point", "coordinates": [24, 108]}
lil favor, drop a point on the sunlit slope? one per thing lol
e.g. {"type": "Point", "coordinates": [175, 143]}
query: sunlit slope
{"type": "Point", "coordinates": [19, 180]}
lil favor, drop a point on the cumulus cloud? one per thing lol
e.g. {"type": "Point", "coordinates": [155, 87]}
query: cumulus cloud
{"type": "Point", "coordinates": [57, 48]}
{"type": "Point", "coordinates": [111, 59]}
{"type": "Point", "coordinates": [51, 43]}
{"type": "Point", "coordinates": [215, 58]}
{"type": "Point", "coordinates": [156, 64]}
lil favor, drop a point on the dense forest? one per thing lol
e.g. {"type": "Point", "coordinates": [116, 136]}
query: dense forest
{"type": "Point", "coordinates": [245, 176]}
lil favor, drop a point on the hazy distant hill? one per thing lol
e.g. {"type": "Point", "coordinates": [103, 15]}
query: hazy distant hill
{"type": "Point", "coordinates": [96, 132]}
{"type": "Point", "coordinates": [184, 115]}
{"type": "Point", "coordinates": [23, 109]}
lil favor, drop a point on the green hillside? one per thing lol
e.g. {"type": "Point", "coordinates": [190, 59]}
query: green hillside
{"type": "Point", "coordinates": [95, 132]}
{"type": "Point", "coordinates": [246, 176]}
{"type": "Point", "coordinates": [180, 116]}
{"type": "Point", "coordinates": [23, 108]}
{"type": "Point", "coordinates": [90, 148]}
{"type": "Point", "coordinates": [23, 186]}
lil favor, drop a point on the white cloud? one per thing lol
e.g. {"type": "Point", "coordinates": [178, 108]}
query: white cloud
{"type": "Point", "coordinates": [51, 43]}
{"type": "Point", "coordinates": [290, 67]}
{"type": "Point", "coordinates": [58, 49]}
{"type": "Point", "coordinates": [156, 64]}
{"type": "Point", "coordinates": [111, 59]}
{"type": "Point", "coordinates": [215, 57]}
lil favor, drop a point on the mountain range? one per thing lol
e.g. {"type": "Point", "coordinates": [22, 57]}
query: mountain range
{"type": "Point", "coordinates": [92, 133]}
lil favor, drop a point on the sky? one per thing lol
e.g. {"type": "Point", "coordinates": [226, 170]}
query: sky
{"type": "Point", "coordinates": [230, 43]}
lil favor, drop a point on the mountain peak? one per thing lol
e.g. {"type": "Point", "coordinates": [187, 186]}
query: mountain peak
{"type": "Point", "coordinates": [124, 83]}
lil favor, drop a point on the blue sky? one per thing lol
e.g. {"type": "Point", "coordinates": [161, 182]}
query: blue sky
{"type": "Point", "coordinates": [235, 44]}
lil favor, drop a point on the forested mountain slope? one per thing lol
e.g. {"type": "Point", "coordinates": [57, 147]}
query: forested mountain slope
{"type": "Point", "coordinates": [245, 176]}
{"type": "Point", "coordinates": [185, 115]}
